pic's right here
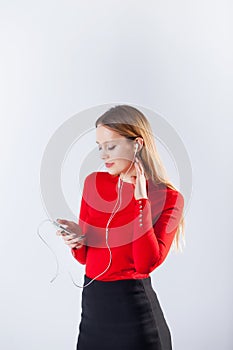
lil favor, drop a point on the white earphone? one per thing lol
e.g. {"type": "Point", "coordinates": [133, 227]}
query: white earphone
{"type": "Point", "coordinates": [115, 209]}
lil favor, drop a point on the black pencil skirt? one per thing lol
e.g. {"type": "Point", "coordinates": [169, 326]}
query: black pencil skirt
{"type": "Point", "coordinates": [122, 315]}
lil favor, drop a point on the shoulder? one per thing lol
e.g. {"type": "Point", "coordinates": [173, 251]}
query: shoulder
{"type": "Point", "coordinates": [175, 197]}
{"type": "Point", "coordinates": [99, 177]}
{"type": "Point", "coordinates": [162, 194]}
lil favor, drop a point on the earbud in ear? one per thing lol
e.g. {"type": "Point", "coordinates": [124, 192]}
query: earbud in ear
{"type": "Point", "coordinates": [136, 147]}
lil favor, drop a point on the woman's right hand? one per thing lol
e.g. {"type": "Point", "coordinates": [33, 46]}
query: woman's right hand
{"type": "Point", "coordinates": [72, 240]}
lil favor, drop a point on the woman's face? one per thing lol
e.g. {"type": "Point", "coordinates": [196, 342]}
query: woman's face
{"type": "Point", "coordinates": [116, 151]}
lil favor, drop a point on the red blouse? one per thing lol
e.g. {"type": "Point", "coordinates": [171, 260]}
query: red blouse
{"type": "Point", "coordinates": [140, 233]}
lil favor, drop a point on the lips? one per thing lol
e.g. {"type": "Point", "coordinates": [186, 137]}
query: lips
{"type": "Point", "coordinates": [108, 165]}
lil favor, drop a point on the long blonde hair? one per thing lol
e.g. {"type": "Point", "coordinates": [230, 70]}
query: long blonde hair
{"type": "Point", "coordinates": [132, 123]}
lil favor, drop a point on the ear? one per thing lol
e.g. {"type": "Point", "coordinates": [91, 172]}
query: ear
{"type": "Point", "coordinates": [139, 142]}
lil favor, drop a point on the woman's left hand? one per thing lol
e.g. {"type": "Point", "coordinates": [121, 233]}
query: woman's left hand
{"type": "Point", "coordinates": [139, 181]}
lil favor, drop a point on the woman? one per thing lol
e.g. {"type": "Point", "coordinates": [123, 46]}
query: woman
{"type": "Point", "coordinates": [130, 216]}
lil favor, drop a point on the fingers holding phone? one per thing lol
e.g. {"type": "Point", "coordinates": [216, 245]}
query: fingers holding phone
{"type": "Point", "coordinates": [71, 233]}
{"type": "Point", "coordinates": [73, 241]}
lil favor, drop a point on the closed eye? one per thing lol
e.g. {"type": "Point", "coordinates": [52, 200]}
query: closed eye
{"type": "Point", "coordinates": [109, 148]}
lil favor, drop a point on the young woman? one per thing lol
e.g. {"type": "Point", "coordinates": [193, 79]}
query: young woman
{"type": "Point", "coordinates": [130, 216]}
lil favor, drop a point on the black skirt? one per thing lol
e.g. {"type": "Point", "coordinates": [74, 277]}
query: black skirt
{"type": "Point", "coordinates": [122, 315]}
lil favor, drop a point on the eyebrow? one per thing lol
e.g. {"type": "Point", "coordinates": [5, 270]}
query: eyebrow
{"type": "Point", "coordinates": [105, 141]}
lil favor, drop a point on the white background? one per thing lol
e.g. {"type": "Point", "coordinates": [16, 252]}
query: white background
{"type": "Point", "coordinates": [61, 57]}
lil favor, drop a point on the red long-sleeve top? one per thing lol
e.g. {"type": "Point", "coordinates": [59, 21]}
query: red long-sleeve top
{"type": "Point", "coordinates": [140, 233]}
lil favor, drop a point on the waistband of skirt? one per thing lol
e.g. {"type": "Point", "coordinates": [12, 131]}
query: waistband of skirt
{"type": "Point", "coordinates": [121, 282]}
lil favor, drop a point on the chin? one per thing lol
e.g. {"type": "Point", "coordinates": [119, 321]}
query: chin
{"type": "Point", "coordinates": [113, 172]}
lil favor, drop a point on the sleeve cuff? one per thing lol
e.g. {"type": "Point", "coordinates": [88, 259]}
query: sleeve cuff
{"type": "Point", "coordinates": [142, 218]}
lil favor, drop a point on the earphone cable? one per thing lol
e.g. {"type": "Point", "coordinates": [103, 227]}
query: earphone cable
{"type": "Point", "coordinates": [57, 264]}
{"type": "Point", "coordinates": [120, 185]}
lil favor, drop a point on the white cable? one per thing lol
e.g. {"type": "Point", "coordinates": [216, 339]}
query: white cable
{"type": "Point", "coordinates": [57, 264]}
{"type": "Point", "coordinates": [57, 273]}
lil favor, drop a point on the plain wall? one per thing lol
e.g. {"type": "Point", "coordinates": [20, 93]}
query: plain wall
{"type": "Point", "coordinates": [61, 57]}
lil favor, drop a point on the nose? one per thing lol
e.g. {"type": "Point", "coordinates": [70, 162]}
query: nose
{"type": "Point", "coordinates": [104, 154]}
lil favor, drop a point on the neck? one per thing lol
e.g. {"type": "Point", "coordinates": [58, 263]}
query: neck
{"type": "Point", "coordinates": [128, 177]}
{"type": "Point", "coordinates": [126, 180]}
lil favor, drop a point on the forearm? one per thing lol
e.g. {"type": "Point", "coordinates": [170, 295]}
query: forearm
{"type": "Point", "coordinates": [146, 250]}
{"type": "Point", "coordinates": [80, 254]}
{"type": "Point", "coordinates": [153, 240]}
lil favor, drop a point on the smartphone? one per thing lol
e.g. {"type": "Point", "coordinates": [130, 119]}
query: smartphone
{"type": "Point", "coordinates": [66, 230]}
